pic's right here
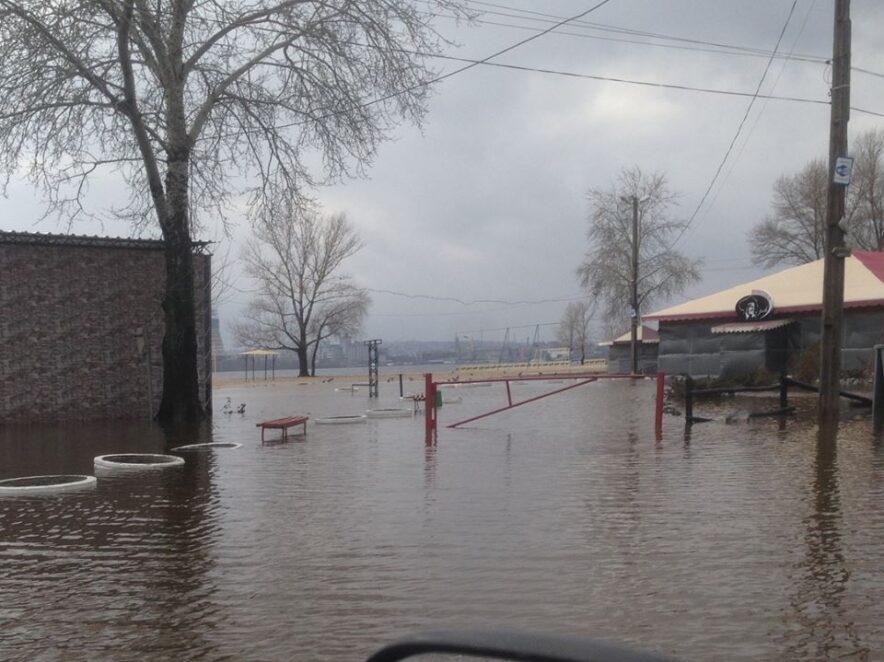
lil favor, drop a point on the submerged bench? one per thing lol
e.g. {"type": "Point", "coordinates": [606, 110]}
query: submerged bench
{"type": "Point", "coordinates": [283, 424]}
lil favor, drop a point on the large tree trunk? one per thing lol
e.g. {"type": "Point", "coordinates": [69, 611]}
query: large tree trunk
{"type": "Point", "coordinates": [313, 359]}
{"type": "Point", "coordinates": [303, 367]}
{"type": "Point", "coordinates": [181, 401]}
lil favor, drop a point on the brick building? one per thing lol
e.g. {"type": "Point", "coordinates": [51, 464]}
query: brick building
{"type": "Point", "coordinates": [81, 326]}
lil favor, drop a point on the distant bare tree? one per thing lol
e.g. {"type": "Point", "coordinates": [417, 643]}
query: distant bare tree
{"type": "Point", "coordinates": [606, 272]}
{"type": "Point", "coordinates": [866, 192]}
{"type": "Point", "coordinates": [303, 298]}
{"type": "Point", "coordinates": [795, 232]}
{"type": "Point", "coordinates": [181, 98]}
{"type": "Point", "coordinates": [573, 329]}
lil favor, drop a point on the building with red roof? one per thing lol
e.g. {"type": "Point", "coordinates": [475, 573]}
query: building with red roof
{"type": "Point", "coordinates": [769, 322]}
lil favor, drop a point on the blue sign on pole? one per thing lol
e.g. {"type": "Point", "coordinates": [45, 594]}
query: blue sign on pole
{"type": "Point", "coordinates": [843, 170]}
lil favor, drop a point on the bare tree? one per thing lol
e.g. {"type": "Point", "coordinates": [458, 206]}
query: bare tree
{"type": "Point", "coordinates": [866, 192]}
{"type": "Point", "coordinates": [573, 329]}
{"type": "Point", "coordinates": [795, 232]}
{"type": "Point", "coordinates": [303, 298]}
{"type": "Point", "coordinates": [178, 97]}
{"type": "Point", "coordinates": [606, 271]}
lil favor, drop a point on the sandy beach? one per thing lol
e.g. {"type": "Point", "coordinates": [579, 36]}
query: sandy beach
{"type": "Point", "coordinates": [221, 381]}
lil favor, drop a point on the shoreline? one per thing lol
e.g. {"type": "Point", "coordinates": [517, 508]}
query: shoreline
{"type": "Point", "coordinates": [491, 371]}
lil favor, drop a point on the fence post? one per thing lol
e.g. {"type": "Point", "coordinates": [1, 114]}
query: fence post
{"type": "Point", "coordinates": [429, 409]}
{"type": "Point", "coordinates": [878, 390]}
{"type": "Point", "coordinates": [658, 412]}
{"type": "Point", "coordinates": [688, 400]}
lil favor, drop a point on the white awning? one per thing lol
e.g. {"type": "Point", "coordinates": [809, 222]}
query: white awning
{"type": "Point", "coordinates": [751, 327]}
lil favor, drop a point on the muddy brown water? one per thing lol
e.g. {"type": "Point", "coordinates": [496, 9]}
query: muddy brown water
{"type": "Point", "coordinates": [749, 541]}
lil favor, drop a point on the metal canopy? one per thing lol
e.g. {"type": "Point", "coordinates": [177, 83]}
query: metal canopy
{"type": "Point", "coordinates": [751, 327]}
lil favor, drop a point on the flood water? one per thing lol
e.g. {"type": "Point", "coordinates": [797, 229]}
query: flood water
{"type": "Point", "coordinates": [746, 541]}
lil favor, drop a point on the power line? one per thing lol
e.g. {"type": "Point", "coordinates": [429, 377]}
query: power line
{"type": "Point", "coordinates": [471, 63]}
{"type": "Point", "coordinates": [512, 47]}
{"type": "Point", "coordinates": [715, 47]}
{"type": "Point", "coordinates": [721, 48]}
{"type": "Point", "coordinates": [739, 127]}
{"type": "Point", "coordinates": [510, 328]}
{"type": "Point", "coordinates": [757, 119]}
{"type": "Point", "coordinates": [441, 77]}
{"type": "Point", "coordinates": [630, 81]}
{"type": "Point", "coordinates": [471, 302]}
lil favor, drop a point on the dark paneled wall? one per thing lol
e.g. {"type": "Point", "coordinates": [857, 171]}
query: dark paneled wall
{"type": "Point", "coordinates": [69, 319]}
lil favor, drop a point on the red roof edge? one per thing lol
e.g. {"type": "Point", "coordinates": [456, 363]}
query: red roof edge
{"type": "Point", "coordinates": [785, 310]}
{"type": "Point", "coordinates": [871, 260]}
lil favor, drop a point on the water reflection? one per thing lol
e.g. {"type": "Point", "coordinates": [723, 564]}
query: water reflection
{"type": "Point", "coordinates": [746, 541]}
{"type": "Point", "coordinates": [138, 547]}
{"type": "Point", "coordinates": [822, 629]}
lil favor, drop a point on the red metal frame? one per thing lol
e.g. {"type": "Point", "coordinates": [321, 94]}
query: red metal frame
{"type": "Point", "coordinates": [432, 387]}
{"type": "Point", "coordinates": [513, 405]}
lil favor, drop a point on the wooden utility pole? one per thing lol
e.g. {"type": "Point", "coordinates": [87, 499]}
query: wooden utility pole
{"type": "Point", "coordinates": [634, 318]}
{"type": "Point", "coordinates": [833, 274]}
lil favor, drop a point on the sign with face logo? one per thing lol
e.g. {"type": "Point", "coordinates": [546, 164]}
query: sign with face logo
{"type": "Point", "coordinates": [754, 307]}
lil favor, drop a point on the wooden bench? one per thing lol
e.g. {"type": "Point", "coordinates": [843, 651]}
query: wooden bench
{"type": "Point", "coordinates": [283, 424]}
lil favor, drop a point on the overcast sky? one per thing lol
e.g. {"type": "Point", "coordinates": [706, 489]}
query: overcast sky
{"type": "Point", "coordinates": [488, 199]}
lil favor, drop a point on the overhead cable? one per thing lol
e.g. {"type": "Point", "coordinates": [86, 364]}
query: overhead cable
{"type": "Point", "coordinates": [739, 127]}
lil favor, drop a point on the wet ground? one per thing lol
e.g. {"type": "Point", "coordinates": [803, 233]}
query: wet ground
{"type": "Point", "coordinates": [739, 541]}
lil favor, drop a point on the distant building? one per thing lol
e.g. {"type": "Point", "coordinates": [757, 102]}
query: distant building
{"type": "Point", "coordinates": [557, 353]}
{"type": "Point", "coordinates": [620, 351]}
{"type": "Point", "coordinates": [769, 323]}
{"type": "Point", "coordinates": [82, 324]}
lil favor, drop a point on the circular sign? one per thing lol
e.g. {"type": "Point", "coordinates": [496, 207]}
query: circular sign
{"type": "Point", "coordinates": [754, 307]}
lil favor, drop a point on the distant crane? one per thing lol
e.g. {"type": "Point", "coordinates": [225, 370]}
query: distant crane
{"type": "Point", "coordinates": [503, 347]}
{"type": "Point", "coordinates": [535, 346]}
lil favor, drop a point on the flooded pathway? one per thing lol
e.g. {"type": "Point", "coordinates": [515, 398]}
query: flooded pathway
{"type": "Point", "coordinates": [738, 542]}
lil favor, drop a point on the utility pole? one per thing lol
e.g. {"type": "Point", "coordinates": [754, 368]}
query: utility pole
{"type": "Point", "coordinates": [634, 315]}
{"type": "Point", "coordinates": [835, 252]}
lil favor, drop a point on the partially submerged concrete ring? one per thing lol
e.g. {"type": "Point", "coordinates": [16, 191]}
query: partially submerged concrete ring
{"type": "Point", "coordinates": [338, 420]}
{"type": "Point", "coordinates": [390, 413]}
{"type": "Point", "coordinates": [210, 445]}
{"type": "Point", "coordinates": [137, 461]}
{"type": "Point", "coordinates": [45, 484]}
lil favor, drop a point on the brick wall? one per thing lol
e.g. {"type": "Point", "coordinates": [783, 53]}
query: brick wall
{"type": "Point", "coordinates": [69, 318]}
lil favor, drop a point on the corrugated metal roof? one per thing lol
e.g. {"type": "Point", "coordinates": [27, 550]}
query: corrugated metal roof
{"type": "Point", "coordinates": [751, 327]}
{"type": "Point", "coordinates": [795, 290]}
{"type": "Point", "coordinates": [645, 334]}
{"type": "Point", "coordinates": [47, 239]}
